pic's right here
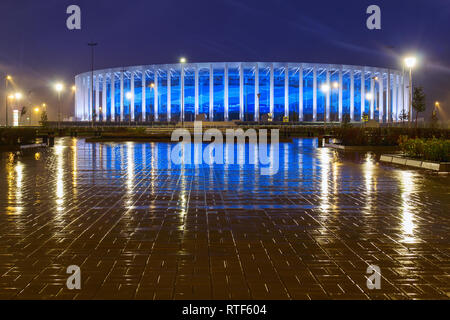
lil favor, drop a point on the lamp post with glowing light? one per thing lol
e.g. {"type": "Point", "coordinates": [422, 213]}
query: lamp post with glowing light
{"type": "Point", "coordinates": [59, 87]}
{"type": "Point", "coordinates": [152, 87]}
{"type": "Point", "coordinates": [410, 62]}
{"type": "Point", "coordinates": [182, 62]}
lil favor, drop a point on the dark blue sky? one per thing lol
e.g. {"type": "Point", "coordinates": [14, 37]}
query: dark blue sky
{"type": "Point", "coordinates": [37, 48]}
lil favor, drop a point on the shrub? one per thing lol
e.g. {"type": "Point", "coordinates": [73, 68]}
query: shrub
{"type": "Point", "coordinates": [362, 136]}
{"type": "Point", "coordinates": [17, 136]}
{"type": "Point", "coordinates": [430, 149]}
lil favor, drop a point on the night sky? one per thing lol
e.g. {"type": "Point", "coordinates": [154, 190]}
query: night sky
{"type": "Point", "coordinates": [38, 49]}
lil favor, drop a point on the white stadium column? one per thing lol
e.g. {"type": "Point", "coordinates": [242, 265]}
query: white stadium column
{"type": "Point", "coordinates": [122, 111]}
{"type": "Point", "coordinates": [352, 95]}
{"type": "Point", "coordinates": [132, 96]}
{"type": "Point", "coordinates": [113, 92]}
{"type": "Point", "coordinates": [271, 91]}
{"type": "Point", "coordinates": [169, 94]}
{"type": "Point", "coordinates": [211, 93]}
{"type": "Point", "coordinates": [286, 91]}
{"type": "Point", "coordinates": [90, 96]}
{"type": "Point", "coordinates": [372, 95]}
{"type": "Point", "coordinates": [97, 97]}
{"type": "Point", "coordinates": [394, 98]}
{"type": "Point", "coordinates": [388, 97]}
{"type": "Point", "coordinates": [225, 94]}
{"type": "Point", "coordinates": [181, 93]}
{"type": "Point", "coordinates": [363, 92]}
{"type": "Point", "coordinates": [328, 94]}
{"type": "Point", "coordinates": [300, 93]}
{"type": "Point", "coordinates": [340, 94]}
{"type": "Point", "coordinates": [143, 95]}
{"type": "Point", "coordinates": [256, 93]}
{"type": "Point", "coordinates": [241, 92]}
{"type": "Point", "coordinates": [314, 93]}
{"type": "Point", "coordinates": [86, 98]}
{"type": "Point", "coordinates": [380, 98]}
{"type": "Point", "coordinates": [104, 107]}
{"type": "Point", "coordinates": [196, 105]}
{"type": "Point", "coordinates": [399, 97]}
{"type": "Point", "coordinates": [406, 98]}
{"type": "Point", "coordinates": [156, 95]}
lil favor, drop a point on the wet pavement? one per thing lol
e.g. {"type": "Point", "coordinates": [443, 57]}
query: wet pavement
{"type": "Point", "coordinates": [139, 226]}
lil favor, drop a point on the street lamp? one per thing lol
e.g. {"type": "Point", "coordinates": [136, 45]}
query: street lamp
{"type": "Point", "coordinates": [410, 62]}
{"type": "Point", "coordinates": [59, 87]}
{"type": "Point", "coordinates": [182, 62]}
{"type": "Point", "coordinates": [325, 88]}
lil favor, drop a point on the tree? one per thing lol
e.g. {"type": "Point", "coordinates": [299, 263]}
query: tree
{"type": "Point", "coordinates": [418, 102]}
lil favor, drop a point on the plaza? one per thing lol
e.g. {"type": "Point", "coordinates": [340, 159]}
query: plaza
{"type": "Point", "coordinates": [141, 227]}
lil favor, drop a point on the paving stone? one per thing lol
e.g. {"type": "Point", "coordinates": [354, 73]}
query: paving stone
{"type": "Point", "coordinates": [141, 227]}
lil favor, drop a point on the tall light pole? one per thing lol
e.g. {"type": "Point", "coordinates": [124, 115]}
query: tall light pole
{"type": "Point", "coordinates": [182, 62]}
{"type": "Point", "coordinates": [410, 62]}
{"type": "Point", "coordinates": [92, 45]}
{"type": "Point", "coordinates": [7, 79]}
{"type": "Point", "coordinates": [59, 87]}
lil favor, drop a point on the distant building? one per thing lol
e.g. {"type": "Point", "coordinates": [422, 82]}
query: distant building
{"type": "Point", "coordinates": [302, 92]}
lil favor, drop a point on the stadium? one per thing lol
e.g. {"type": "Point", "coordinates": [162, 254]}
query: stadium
{"type": "Point", "coordinates": [243, 91]}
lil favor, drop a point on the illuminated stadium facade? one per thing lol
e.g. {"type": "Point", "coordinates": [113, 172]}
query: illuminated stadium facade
{"type": "Point", "coordinates": [297, 92]}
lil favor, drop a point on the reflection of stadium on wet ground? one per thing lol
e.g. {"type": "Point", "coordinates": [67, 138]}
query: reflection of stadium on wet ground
{"type": "Point", "coordinates": [141, 227]}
